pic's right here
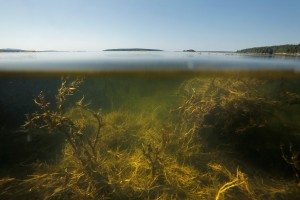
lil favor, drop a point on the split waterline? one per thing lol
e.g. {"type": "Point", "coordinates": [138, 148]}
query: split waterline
{"type": "Point", "coordinates": [149, 125]}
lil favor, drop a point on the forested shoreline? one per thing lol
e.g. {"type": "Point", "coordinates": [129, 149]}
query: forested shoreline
{"type": "Point", "coordinates": [278, 49]}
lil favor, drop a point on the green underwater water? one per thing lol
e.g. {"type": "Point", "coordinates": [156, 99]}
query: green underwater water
{"type": "Point", "coordinates": [150, 137]}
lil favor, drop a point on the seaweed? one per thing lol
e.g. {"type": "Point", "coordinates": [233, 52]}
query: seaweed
{"type": "Point", "coordinates": [195, 150]}
{"type": "Point", "coordinates": [239, 115]}
{"type": "Point", "coordinates": [292, 157]}
{"type": "Point", "coordinates": [83, 147]}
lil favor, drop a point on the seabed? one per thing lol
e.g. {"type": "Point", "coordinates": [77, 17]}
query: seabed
{"type": "Point", "coordinates": [158, 138]}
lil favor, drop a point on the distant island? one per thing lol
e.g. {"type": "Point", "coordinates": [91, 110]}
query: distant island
{"type": "Point", "coordinates": [288, 49]}
{"type": "Point", "coordinates": [11, 50]}
{"type": "Point", "coordinates": [132, 49]}
{"type": "Point", "coordinates": [15, 50]}
{"type": "Point", "coordinates": [189, 50]}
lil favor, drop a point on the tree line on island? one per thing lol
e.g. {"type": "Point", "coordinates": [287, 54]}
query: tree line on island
{"type": "Point", "coordinates": [132, 49]}
{"type": "Point", "coordinates": [278, 49]}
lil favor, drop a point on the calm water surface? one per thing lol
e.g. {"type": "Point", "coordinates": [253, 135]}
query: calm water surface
{"type": "Point", "coordinates": [142, 61]}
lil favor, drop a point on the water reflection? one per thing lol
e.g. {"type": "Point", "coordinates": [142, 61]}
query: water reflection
{"type": "Point", "coordinates": [147, 61]}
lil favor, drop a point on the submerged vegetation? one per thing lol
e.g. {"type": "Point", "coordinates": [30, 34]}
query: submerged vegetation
{"type": "Point", "coordinates": [221, 138]}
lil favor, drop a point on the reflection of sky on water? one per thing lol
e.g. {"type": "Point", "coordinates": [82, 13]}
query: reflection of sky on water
{"type": "Point", "coordinates": [152, 61]}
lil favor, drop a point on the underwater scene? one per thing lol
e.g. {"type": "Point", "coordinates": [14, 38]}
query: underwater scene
{"type": "Point", "coordinates": [150, 135]}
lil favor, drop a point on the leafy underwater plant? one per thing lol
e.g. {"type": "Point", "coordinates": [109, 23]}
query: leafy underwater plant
{"type": "Point", "coordinates": [84, 146]}
{"type": "Point", "coordinates": [292, 157]}
{"type": "Point", "coordinates": [245, 115]}
{"type": "Point", "coordinates": [139, 156]}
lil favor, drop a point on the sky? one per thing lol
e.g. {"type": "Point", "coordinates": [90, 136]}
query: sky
{"type": "Point", "coordinates": [171, 25]}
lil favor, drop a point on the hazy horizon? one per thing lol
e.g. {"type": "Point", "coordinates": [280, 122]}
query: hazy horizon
{"type": "Point", "coordinates": [156, 49]}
